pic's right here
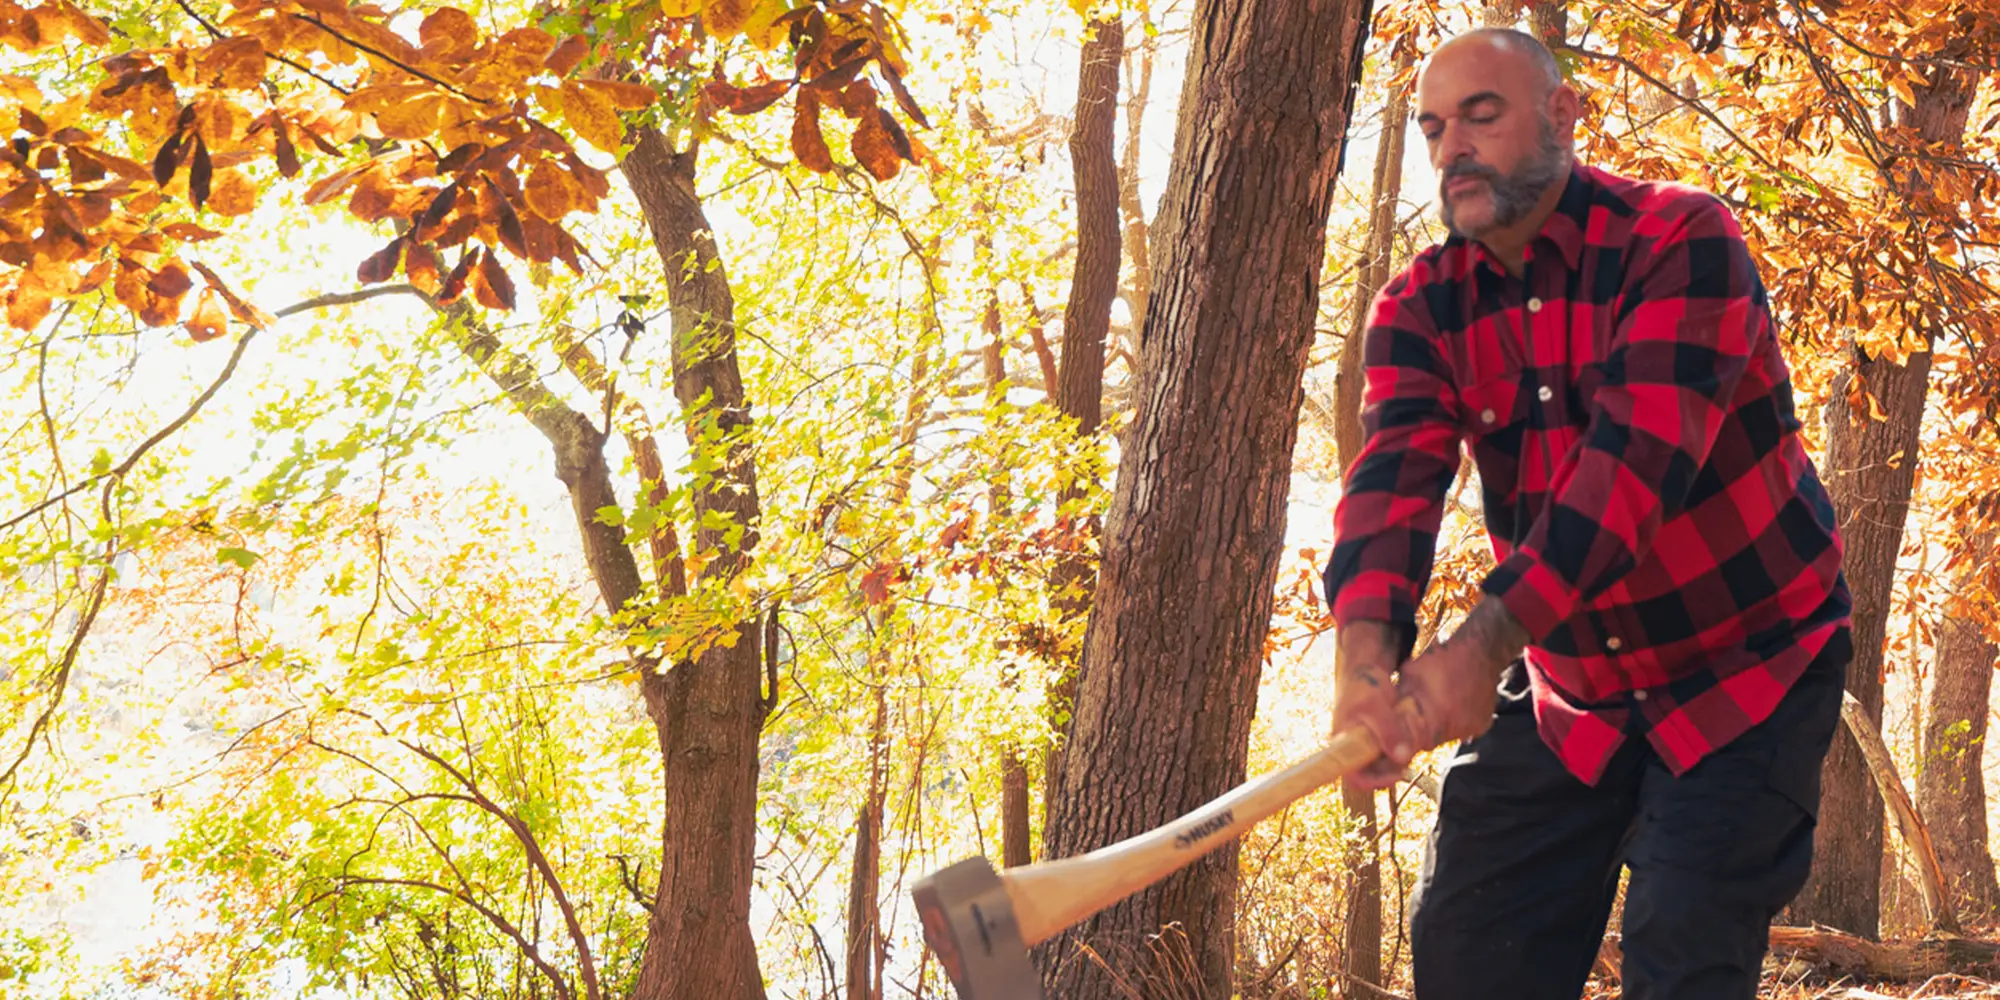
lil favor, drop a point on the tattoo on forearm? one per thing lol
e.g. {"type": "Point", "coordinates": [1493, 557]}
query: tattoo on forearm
{"type": "Point", "coordinates": [1492, 630]}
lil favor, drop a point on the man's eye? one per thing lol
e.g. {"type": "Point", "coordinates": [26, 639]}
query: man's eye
{"type": "Point", "coordinates": [1486, 119]}
{"type": "Point", "coordinates": [1433, 135]}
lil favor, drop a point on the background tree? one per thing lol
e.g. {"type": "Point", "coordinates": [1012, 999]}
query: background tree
{"type": "Point", "coordinates": [1183, 601]}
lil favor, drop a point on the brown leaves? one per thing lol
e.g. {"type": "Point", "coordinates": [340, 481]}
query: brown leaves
{"type": "Point", "coordinates": [875, 147]}
{"type": "Point", "coordinates": [808, 142]}
{"type": "Point", "coordinates": [746, 100]}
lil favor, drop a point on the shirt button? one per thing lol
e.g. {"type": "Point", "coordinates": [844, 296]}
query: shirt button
{"type": "Point", "coordinates": [1545, 394]}
{"type": "Point", "coordinates": [1614, 644]}
{"type": "Point", "coordinates": [1534, 305]}
{"type": "Point", "coordinates": [1639, 696]}
{"type": "Point", "coordinates": [1486, 416]}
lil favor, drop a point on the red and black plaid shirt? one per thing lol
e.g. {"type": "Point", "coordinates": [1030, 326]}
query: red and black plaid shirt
{"type": "Point", "coordinates": [1659, 529]}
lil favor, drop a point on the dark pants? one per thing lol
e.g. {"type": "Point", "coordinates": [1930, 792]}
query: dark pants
{"type": "Point", "coordinates": [1523, 864]}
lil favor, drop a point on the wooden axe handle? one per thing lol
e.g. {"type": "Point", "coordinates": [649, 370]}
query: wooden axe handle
{"type": "Point", "coordinates": [1053, 895]}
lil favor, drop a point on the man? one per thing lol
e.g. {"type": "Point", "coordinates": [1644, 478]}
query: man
{"type": "Point", "coordinates": [1667, 561]}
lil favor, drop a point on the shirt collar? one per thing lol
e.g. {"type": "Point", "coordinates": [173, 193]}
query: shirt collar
{"type": "Point", "coordinates": [1565, 227]}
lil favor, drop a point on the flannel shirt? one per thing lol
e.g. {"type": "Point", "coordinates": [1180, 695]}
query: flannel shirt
{"type": "Point", "coordinates": [1658, 527]}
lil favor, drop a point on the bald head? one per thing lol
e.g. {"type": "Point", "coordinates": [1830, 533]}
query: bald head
{"type": "Point", "coordinates": [1499, 123]}
{"type": "Point", "coordinates": [1528, 55]}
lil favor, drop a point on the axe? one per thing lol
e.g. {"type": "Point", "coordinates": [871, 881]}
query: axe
{"type": "Point", "coordinates": [981, 922]}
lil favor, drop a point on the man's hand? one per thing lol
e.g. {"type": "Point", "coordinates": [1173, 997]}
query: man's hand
{"type": "Point", "coordinates": [1364, 694]}
{"type": "Point", "coordinates": [1453, 682]}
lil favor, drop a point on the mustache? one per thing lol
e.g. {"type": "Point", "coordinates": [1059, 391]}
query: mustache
{"type": "Point", "coordinates": [1468, 168]}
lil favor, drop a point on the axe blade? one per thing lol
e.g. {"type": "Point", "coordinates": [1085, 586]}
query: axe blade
{"type": "Point", "coordinates": [968, 920]}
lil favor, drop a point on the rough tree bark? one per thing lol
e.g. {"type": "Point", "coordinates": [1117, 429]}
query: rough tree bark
{"type": "Point", "coordinates": [1871, 465]}
{"type": "Point", "coordinates": [1363, 940]}
{"type": "Point", "coordinates": [1182, 609]}
{"type": "Point", "coordinates": [709, 711]}
{"type": "Point", "coordinates": [1951, 783]}
{"type": "Point", "coordinates": [1079, 387]}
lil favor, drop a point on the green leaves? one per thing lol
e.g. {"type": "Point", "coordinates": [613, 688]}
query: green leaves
{"type": "Point", "coordinates": [238, 557]}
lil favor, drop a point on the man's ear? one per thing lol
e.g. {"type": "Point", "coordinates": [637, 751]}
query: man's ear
{"type": "Point", "coordinates": [1565, 109]}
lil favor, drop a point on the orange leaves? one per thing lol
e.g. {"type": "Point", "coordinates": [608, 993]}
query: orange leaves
{"type": "Point", "coordinates": [209, 320]}
{"type": "Point", "coordinates": [552, 192]}
{"type": "Point", "coordinates": [590, 113]}
{"type": "Point", "coordinates": [51, 24]}
{"type": "Point", "coordinates": [234, 63]}
{"type": "Point", "coordinates": [449, 35]}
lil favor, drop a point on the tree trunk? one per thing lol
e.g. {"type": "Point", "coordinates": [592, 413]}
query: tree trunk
{"type": "Point", "coordinates": [1871, 466]}
{"type": "Point", "coordinates": [1951, 783]}
{"type": "Point", "coordinates": [1015, 846]}
{"type": "Point", "coordinates": [864, 884]}
{"type": "Point", "coordinates": [1196, 525]}
{"type": "Point", "coordinates": [710, 710]}
{"type": "Point", "coordinates": [1363, 939]}
{"type": "Point", "coordinates": [1910, 826]}
{"type": "Point", "coordinates": [1079, 388]}
{"type": "Point", "coordinates": [1130, 206]}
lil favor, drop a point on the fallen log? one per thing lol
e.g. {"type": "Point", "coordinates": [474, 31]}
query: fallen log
{"type": "Point", "coordinates": [1890, 961]}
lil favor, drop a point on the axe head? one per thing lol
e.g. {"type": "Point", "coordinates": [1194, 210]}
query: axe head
{"type": "Point", "coordinates": [968, 920]}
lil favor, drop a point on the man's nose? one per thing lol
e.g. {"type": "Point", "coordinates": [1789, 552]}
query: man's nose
{"type": "Point", "coordinates": [1454, 144]}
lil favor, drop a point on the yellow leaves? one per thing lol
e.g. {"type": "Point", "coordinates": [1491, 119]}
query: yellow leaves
{"type": "Point", "coordinates": [20, 91]}
{"type": "Point", "coordinates": [449, 34]}
{"type": "Point", "coordinates": [590, 113]}
{"type": "Point", "coordinates": [762, 29]}
{"type": "Point", "coordinates": [234, 63]}
{"type": "Point", "coordinates": [680, 8]}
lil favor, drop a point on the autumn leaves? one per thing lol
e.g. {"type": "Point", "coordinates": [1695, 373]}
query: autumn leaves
{"type": "Point", "coordinates": [461, 141]}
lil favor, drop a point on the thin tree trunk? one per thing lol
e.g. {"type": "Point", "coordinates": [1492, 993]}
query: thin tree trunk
{"type": "Point", "coordinates": [1951, 782]}
{"type": "Point", "coordinates": [710, 710]}
{"type": "Point", "coordinates": [1182, 610]}
{"type": "Point", "coordinates": [865, 939]}
{"type": "Point", "coordinates": [864, 884]}
{"type": "Point", "coordinates": [1015, 847]}
{"type": "Point", "coordinates": [1079, 388]}
{"type": "Point", "coordinates": [1363, 939]}
{"type": "Point", "coordinates": [1140, 79]}
{"type": "Point", "coordinates": [1910, 826]}
{"type": "Point", "coordinates": [1871, 466]}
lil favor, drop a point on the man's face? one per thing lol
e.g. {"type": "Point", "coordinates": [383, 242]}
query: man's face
{"type": "Point", "coordinates": [1487, 119]}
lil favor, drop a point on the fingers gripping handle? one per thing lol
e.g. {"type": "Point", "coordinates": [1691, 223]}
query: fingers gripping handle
{"type": "Point", "coordinates": [1051, 896]}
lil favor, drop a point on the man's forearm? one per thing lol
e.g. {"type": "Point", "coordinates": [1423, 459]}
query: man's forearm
{"type": "Point", "coordinates": [1492, 633]}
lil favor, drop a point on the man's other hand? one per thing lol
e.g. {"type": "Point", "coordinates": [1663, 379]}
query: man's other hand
{"type": "Point", "coordinates": [1364, 695]}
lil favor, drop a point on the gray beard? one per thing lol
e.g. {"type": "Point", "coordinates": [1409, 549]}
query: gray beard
{"type": "Point", "coordinates": [1515, 194]}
